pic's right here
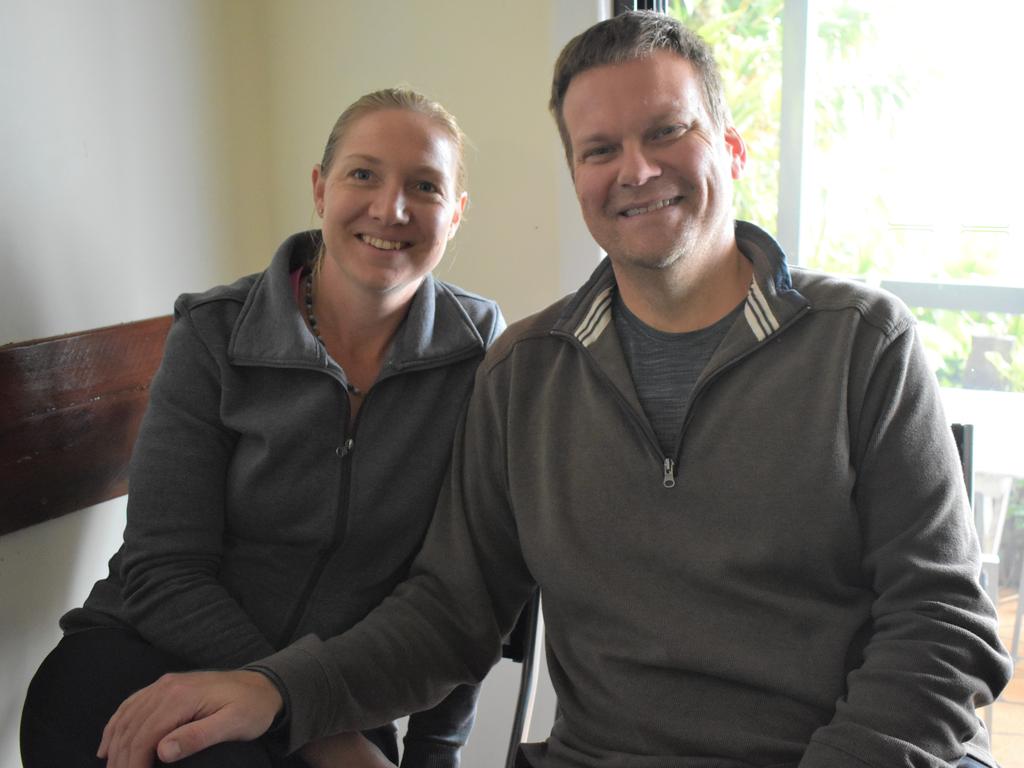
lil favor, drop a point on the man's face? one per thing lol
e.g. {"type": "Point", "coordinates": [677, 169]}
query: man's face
{"type": "Point", "coordinates": [652, 173]}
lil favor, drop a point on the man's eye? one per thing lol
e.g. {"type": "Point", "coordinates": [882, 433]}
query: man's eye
{"type": "Point", "coordinates": [668, 130]}
{"type": "Point", "coordinates": [426, 186]}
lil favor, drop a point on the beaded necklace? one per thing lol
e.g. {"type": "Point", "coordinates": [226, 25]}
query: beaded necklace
{"type": "Point", "coordinates": [311, 318]}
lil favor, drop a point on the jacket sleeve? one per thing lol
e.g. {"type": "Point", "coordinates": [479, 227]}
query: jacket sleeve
{"type": "Point", "coordinates": [440, 628]}
{"type": "Point", "coordinates": [933, 653]}
{"type": "Point", "coordinates": [172, 541]}
{"type": "Point", "coordinates": [436, 736]}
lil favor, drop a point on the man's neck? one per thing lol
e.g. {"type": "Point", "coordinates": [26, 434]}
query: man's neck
{"type": "Point", "coordinates": [687, 295]}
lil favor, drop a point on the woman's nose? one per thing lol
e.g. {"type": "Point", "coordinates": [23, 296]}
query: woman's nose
{"type": "Point", "coordinates": [389, 205]}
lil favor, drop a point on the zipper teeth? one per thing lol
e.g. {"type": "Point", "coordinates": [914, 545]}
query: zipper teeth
{"type": "Point", "coordinates": [670, 465]}
{"type": "Point", "coordinates": [698, 391]}
{"type": "Point", "coordinates": [437, 362]}
{"type": "Point", "coordinates": [340, 527]}
{"type": "Point", "coordinates": [345, 481]}
{"type": "Point", "coordinates": [300, 606]}
{"type": "Point", "coordinates": [637, 421]}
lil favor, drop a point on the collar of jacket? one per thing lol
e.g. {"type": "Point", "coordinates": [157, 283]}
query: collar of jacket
{"type": "Point", "coordinates": [770, 303]}
{"type": "Point", "coordinates": [270, 329]}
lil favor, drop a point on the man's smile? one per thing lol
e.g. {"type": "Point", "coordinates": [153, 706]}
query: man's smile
{"type": "Point", "coordinates": [651, 207]}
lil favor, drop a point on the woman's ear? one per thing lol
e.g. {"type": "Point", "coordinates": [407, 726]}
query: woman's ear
{"type": "Point", "coordinates": [318, 189]}
{"type": "Point", "coordinates": [457, 211]}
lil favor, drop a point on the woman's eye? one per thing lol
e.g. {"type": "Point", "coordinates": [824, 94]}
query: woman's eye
{"type": "Point", "coordinates": [361, 174]}
{"type": "Point", "coordinates": [597, 152]}
{"type": "Point", "coordinates": [426, 186]}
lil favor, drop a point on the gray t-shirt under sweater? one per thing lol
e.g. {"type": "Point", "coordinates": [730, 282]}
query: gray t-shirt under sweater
{"type": "Point", "coordinates": [665, 367]}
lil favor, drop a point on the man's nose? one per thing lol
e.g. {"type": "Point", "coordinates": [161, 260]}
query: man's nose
{"type": "Point", "coordinates": [389, 205]}
{"type": "Point", "coordinates": [637, 167]}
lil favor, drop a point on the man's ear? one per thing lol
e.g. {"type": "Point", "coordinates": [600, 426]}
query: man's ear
{"type": "Point", "coordinates": [737, 149]}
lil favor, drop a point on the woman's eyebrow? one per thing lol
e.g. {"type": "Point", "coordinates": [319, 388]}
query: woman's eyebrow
{"type": "Point", "coordinates": [369, 159]}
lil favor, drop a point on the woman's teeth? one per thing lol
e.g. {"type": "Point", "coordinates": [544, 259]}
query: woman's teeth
{"type": "Point", "coordinates": [384, 245]}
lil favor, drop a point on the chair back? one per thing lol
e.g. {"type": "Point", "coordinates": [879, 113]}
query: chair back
{"type": "Point", "coordinates": [963, 436]}
{"type": "Point", "coordinates": [523, 645]}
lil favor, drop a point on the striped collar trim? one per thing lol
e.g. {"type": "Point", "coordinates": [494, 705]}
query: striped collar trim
{"type": "Point", "coordinates": [759, 316]}
{"type": "Point", "coordinates": [596, 319]}
{"type": "Point", "coordinates": [756, 311]}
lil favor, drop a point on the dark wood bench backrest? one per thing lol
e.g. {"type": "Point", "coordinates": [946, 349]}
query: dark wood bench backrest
{"type": "Point", "coordinates": [70, 408]}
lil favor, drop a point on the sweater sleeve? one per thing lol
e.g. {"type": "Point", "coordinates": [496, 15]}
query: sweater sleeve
{"type": "Point", "coordinates": [173, 536]}
{"type": "Point", "coordinates": [933, 653]}
{"type": "Point", "coordinates": [440, 628]}
{"type": "Point", "coordinates": [435, 737]}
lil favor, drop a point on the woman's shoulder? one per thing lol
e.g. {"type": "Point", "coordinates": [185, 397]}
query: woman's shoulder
{"type": "Point", "coordinates": [484, 313]}
{"type": "Point", "coordinates": [212, 315]}
{"type": "Point", "coordinates": [225, 297]}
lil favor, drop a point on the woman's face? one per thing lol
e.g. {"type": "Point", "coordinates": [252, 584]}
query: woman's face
{"type": "Point", "coordinates": [388, 202]}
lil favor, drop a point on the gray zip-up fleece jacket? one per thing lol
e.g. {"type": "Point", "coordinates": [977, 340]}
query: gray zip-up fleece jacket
{"type": "Point", "coordinates": [797, 584]}
{"type": "Point", "coordinates": [255, 515]}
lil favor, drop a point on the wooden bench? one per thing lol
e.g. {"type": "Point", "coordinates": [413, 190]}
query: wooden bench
{"type": "Point", "coordinates": [70, 408]}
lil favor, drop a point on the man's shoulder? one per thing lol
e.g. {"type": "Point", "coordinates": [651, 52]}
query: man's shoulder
{"type": "Point", "coordinates": [535, 327]}
{"type": "Point", "coordinates": [830, 293]}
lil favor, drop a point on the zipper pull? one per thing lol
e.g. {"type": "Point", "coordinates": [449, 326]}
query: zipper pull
{"type": "Point", "coordinates": [345, 448]}
{"type": "Point", "coordinates": [668, 479]}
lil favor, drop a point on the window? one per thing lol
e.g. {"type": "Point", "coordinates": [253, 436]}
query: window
{"type": "Point", "coordinates": [882, 141]}
{"type": "Point", "coordinates": [900, 167]}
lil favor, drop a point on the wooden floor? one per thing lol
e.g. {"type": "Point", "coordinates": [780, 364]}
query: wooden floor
{"type": "Point", "coordinates": [1008, 711]}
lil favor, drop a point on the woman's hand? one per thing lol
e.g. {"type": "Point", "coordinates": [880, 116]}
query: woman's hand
{"type": "Point", "coordinates": [344, 750]}
{"type": "Point", "coordinates": [180, 715]}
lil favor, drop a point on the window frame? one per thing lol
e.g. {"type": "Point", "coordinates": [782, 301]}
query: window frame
{"type": "Point", "coordinates": [795, 128]}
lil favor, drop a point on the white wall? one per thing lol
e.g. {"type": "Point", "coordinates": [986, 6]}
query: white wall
{"type": "Point", "coordinates": [149, 148]}
{"type": "Point", "coordinates": [124, 180]}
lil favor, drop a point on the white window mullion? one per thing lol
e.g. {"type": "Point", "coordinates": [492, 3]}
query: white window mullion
{"type": "Point", "coordinates": [796, 124]}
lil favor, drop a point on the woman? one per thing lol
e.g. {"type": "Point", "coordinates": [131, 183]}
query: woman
{"type": "Point", "coordinates": [295, 442]}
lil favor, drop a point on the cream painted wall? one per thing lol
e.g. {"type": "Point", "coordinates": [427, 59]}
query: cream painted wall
{"type": "Point", "coordinates": [490, 64]}
{"type": "Point", "coordinates": [150, 147]}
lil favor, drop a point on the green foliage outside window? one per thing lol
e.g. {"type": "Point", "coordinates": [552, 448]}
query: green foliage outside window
{"type": "Point", "coordinates": [850, 94]}
{"type": "Point", "coordinates": [746, 36]}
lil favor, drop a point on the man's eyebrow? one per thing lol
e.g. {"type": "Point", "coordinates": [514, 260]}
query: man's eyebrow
{"type": "Point", "coordinates": [672, 113]}
{"type": "Point", "coordinates": [675, 112]}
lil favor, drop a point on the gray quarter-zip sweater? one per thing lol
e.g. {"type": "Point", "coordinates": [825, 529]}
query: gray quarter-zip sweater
{"type": "Point", "coordinates": [255, 514]}
{"type": "Point", "coordinates": [796, 584]}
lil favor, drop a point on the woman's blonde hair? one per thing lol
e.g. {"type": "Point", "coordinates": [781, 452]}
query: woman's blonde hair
{"type": "Point", "coordinates": [399, 98]}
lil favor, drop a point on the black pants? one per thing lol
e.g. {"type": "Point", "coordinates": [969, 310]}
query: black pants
{"type": "Point", "coordinates": [84, 680]}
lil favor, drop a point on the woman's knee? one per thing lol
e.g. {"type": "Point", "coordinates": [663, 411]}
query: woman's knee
{"type": "Point", "coordinates": [76, 689]}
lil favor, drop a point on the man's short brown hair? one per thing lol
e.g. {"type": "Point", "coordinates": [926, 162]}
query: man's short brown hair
{"type": "Point", "coordinates": [635, 35]}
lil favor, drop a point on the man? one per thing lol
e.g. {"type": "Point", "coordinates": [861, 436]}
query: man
{"type": "Point", "coordinates": [734, 485]}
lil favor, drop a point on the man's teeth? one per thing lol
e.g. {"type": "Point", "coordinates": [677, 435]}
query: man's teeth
{"type": "Point", "coordinates": [651, 207]}
{"type": "Point", "coordinates": [384, 245]}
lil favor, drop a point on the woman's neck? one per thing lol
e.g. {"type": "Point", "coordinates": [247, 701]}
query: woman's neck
{"type": "Point", "coordinates": [356, 326]}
